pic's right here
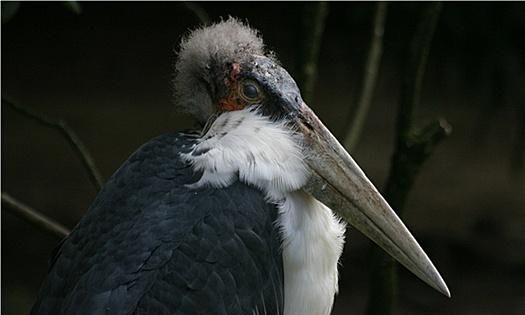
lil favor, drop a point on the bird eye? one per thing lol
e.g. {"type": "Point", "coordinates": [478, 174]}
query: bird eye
{"type": "Point", "coordinates": [250, 91]}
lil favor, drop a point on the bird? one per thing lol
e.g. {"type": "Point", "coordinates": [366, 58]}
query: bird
{"type": "Point", "coordinates": [245, 215]}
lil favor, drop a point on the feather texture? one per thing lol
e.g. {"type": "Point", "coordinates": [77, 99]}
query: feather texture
{"type": "Point", "coordinates": [249, 147]}
{"type": "Point", "coordinates": [150, 245]}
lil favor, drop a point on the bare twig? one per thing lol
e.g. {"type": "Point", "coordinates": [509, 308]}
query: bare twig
{"type": "Point", "coordinates": [73, 6]}
{"type": "Point", "coordinates": [413, 147]}
{"type": "Point", "coordinates": [35, 217]}
{"type": "Point", "coordinates": [198, 11]}
{"type": "Point", "coordinates": [312, 27]}
{"type": "Point", "coordinates": [373, 60]}
{"type": "Point", "coordinates": [415, 69]}
{"type": "Point", "coordinates": [408, 159]}
{"type": "Point", "coordinates": [71, 137]}
{"type": "Point", "coordinates": [9, 10]}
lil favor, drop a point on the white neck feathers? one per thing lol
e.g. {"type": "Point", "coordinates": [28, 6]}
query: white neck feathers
{"type": "Point", "coordinates": [313, 242]}
{"type": "Point", "coordinates": [247, 146]}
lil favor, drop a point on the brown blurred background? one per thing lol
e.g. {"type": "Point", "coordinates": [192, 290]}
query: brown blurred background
{"type": "Point", "coordinates": [107, 72]}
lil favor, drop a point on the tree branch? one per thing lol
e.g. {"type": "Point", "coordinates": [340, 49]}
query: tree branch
{"type": "Point", "coordinates": [413, 147]}
{"type": "Point", "coordinates": [198, 11]}
{"type": "Point", "coordinates": [312, 27]}
{"type": "Point", "coordinates": [415, 69]}
{"type": "Point", "coordinates": [35, 217]}
{"type": "Point", "coordinates": [68, 133]}
{"type": "Point", "coordinates": [409, 158]}
{"type": "Point", "coordinates": [373, 60]}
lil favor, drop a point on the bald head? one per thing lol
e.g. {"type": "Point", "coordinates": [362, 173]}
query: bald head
{"type": "Point", "coordinates": [203, 61]}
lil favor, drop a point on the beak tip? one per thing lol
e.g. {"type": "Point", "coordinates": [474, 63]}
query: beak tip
{"type": "Point", "coordinates": [439, 284]}
{"type": "Point", "coordinates": [443, 289]}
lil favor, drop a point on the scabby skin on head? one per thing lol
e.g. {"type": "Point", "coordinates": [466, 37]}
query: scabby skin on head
{"type": "Point", "coordinates": [201, 57]}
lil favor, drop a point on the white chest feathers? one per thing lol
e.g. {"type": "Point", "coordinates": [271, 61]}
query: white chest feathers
{"type": "Point", "coordinates": [247, 146]}
{"type": "Point", "coordinates": [313, 242]}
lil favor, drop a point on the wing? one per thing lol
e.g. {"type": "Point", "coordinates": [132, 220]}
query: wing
{"type": "Point", "coordinates": [149, 245]}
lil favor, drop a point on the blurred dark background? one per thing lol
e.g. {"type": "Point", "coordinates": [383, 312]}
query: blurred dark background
{"type": "Point", "coordinates": [107, 72]}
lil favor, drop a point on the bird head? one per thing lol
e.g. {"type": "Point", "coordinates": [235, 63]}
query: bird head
{"type": "Point", "coordinates": [224, 70]}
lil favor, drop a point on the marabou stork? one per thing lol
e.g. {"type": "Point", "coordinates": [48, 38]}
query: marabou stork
{"type": "Point", "coordinates": [234, 219]}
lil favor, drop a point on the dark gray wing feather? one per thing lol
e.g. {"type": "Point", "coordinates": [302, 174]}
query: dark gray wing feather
{"type": "Point", "coordinates": [150, 245]}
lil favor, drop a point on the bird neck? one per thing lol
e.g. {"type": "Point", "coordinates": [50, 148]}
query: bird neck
{"type": "Point", "coordinates": [313, 241]}
{"type": "Point", "coordinates": [248, 146]}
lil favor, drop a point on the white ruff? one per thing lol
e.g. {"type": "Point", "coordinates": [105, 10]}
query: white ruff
{"type": "Point", "coordinates": [247, 146]}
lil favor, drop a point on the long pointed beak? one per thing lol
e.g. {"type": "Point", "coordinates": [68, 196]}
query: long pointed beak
{"type": "Point", "coordinates": [339, 183]}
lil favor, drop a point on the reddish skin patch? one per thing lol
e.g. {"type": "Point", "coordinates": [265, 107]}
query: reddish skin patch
{"type": "Point", "coordinates": [229, 104]}
{"type": "Point", "coordinates": [232, 102]}
{"type": "Point", "coordinates": [236, 70]}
